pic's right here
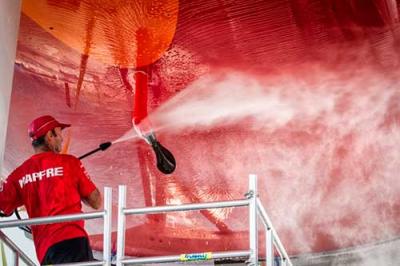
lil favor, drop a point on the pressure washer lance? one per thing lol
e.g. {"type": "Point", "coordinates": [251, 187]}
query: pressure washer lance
{"type": "Point", "coordinates": [102, 147]}
{"type": "Point", "coordinates": [165, 160]}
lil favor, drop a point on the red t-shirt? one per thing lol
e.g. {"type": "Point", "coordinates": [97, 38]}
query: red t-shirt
{"type": "Point", "coordinates": [48, 184]}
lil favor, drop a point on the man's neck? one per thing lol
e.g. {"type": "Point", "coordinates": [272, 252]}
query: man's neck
{"type": "Point", "coordinates": [42, 149]}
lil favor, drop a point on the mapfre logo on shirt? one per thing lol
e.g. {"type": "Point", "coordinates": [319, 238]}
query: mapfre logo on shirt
{"type": "Point", "coordinates": [39, 176]}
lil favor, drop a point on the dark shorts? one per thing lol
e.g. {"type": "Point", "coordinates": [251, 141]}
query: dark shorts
{"type": "Point", "coordinates": [71, 250]}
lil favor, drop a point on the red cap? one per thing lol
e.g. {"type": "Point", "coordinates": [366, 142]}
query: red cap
{"type": "Point", "coordinates": [41, 125]}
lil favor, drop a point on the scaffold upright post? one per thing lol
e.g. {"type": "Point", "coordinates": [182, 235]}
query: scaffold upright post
{"type": "Point", "coordinates": [16, 258]}
{"type": "Point", "coordinates": [269, 246]}
{"type": "Point", "coordinates": [107, 226]}
{"type": "Point", "coordinates": [121, 224]}
{"type": "Point", "coordinates": [253, 232]}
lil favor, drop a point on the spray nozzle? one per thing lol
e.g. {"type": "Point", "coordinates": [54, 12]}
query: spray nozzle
{"type": "Point", "coordinates": [150, 138]}
{"type": "Point", "coordinates": [165, 160]}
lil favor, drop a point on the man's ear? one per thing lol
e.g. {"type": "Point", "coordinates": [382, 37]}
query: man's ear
{"type": "Point", "coordinates": [48, 136]}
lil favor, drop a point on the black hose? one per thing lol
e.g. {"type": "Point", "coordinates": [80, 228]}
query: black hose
{"type": "Point", "coordinates": [2, 214]}
{"type": "Point", "coordinates": [23, 228]}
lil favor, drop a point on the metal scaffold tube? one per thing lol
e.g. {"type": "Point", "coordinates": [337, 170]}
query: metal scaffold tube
{"type": "Point", "coordinates": [89, 263]}
{"type": "Point", "coordinates": [253, 230]}
{"type": "Point", "coordinates": [188, 207]}
{"type": "Point", "coordinates": [107, 226]}
{"type": "Point", "coordinates": [183, 257]}
{"type": "Point", "coordinates": [269, 246]}
{"type": "Point", "coordinates": [267, 222]}
{"type": "Point", "coordinates": [52, 219]}
{"type": "Point", "coordinates": [9, 243]}
{"type": "Point", "coordinates": [121, 225]}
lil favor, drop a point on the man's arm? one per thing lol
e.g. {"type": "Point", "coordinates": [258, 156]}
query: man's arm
{"type": "Point", "coordinates": [9, 198]}
{"type": "Point", "coordinates": [88, 191]}
{"type": "Point", "coordinates": [93, 200]}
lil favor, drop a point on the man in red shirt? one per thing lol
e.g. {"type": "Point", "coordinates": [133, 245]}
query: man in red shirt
{"type": "Point", "coordinates": [50, 183]}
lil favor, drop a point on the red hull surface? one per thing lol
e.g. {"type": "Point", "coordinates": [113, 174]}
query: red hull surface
{"type": "Point", "coordinates": [305, 94]}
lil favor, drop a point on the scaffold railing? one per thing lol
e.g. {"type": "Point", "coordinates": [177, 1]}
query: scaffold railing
{"type": "Point", "coordinates": [255, 209]}
{"type": "Point", "coordinates": [106, 214]}
{"type": "Point", "coordinates": [251, 201]}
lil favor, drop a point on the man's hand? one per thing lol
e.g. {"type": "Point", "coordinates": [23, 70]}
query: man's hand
{"type": "Point", "coordinates": [3, 181]}
{"type": "Point", "coordinates": [93, 200]}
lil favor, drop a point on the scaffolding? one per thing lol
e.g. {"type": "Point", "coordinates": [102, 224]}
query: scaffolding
{"type": "Point", "coordinates": [256, 210]}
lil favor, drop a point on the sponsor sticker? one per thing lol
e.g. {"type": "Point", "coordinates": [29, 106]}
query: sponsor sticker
{"type": "Point", "coordinates": [196, 256]}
